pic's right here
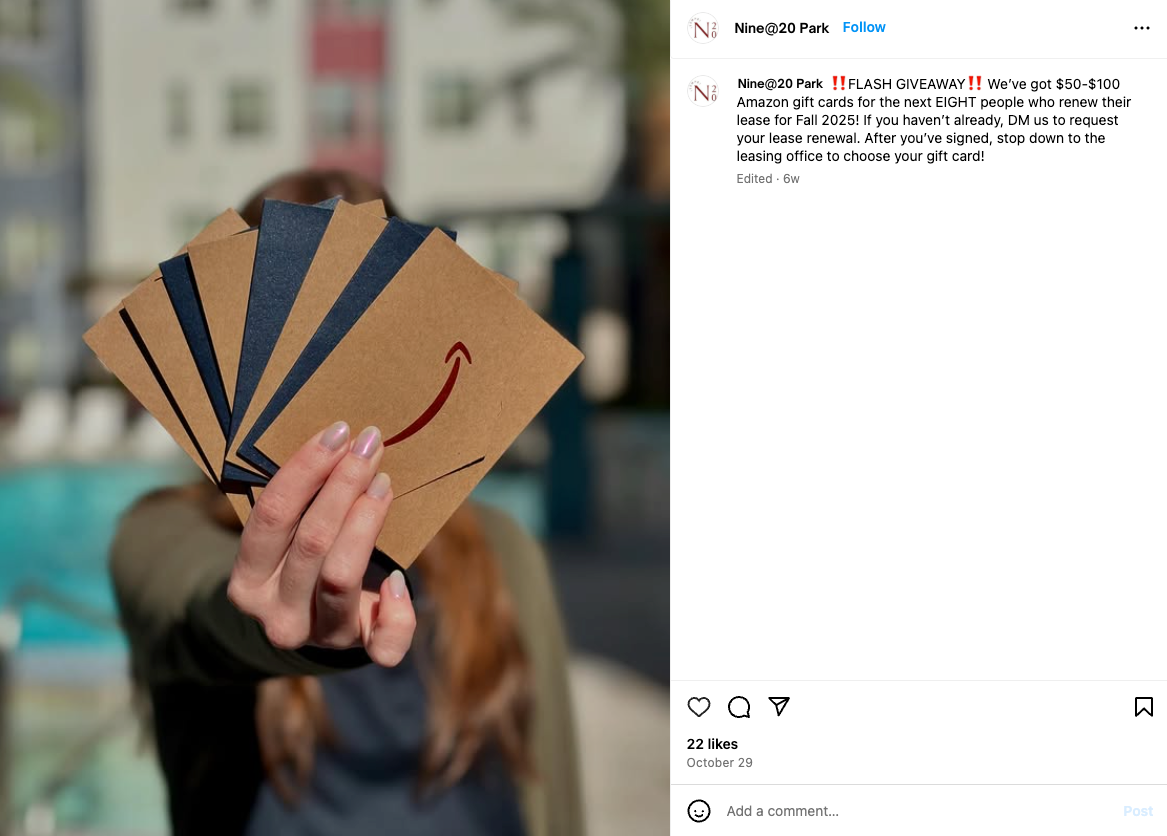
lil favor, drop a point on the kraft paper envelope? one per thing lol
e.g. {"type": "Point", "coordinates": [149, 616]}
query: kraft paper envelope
{"type": "Point", "coordinates": [210, 292]}
{"type": "Point", "coordinates": [178, 279]}
{"type": "Point", "coordinates": [330, 270]}
{"type": "Point", "coordinates": [222, 273]}
{"type": "Point", "coordinates": [348, 238]}
{"type": "Point", "coordinates": [161, 339]}
{"type": "Point", "coordinates": [113, 341]}
{"type": "Point", "coordinates": [510, 284]}
{"type": "Point", "coordinates": [288, 236]}
{"type": "Point", "coordinates": [343, 248]}
{"type": "Point", "coordinates": [451, 366]}
{"type": "Point", "coordinates": [393, 247]}
{"type": "Point", "coordinates": [226, 223]}
{"type": "Point", "coordinates": [350, 234]}
{"type": "Point", "coordinates": [222, 286]}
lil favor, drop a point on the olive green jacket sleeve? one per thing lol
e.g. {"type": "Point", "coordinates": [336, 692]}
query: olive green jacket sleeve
{"type": "Point", "coordinates": [170, 564]}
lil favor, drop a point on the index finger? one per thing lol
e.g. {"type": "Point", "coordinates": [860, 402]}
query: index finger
{"type": "Point", "coordinates": [277, 512]}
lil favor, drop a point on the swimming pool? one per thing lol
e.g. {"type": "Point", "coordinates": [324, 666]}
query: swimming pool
{"type": "Point", "coordinates": [57, 522]}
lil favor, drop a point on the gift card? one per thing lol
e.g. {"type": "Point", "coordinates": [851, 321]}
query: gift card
{"type": "Point", "coordinates": [451, 366]}
{"type": "Point", "coordinates": [393, 248]}
{"type": "Point", "coordinates": [117, 343]}
{"type": "Point", "coordinates": [288, 236]}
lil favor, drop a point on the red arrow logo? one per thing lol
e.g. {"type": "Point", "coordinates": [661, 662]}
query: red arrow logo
{"type": "Point", "coordinates": [434, 408]}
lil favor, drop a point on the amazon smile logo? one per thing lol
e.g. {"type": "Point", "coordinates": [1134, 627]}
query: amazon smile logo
{"type": "Point", "coordinates": [457, 351]}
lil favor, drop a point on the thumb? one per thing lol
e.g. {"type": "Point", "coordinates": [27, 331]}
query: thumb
{"type": "Point", "coordinates": [393, 622]}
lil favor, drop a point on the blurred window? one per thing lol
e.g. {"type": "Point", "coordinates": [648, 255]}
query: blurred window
{"type": "Point", "coordinates": [178, 122]}
{"type": "Point", "coordinates": [29, 245]}
{"type": "Point", "coordinates": [22, 20]}
{"type": "Point", "coordinates": [335, 111]}
{"type": "Point", "coordinates": [451, 102]}
{"type": "Point", "coordinates": [24, 137]}
{"type": "Point", "coordinates": [193, 5]}
{"type": "Point", "coordinates": [247, 109]}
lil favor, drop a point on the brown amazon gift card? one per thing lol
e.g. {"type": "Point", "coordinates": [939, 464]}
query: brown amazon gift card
{"type": "Point", "coordinates": [451, 366]}
{"type": "Point", "coordinates": [119, 344]}
{"type": "Point", "coordinates": [350, 234]}
{"type": "Point", "coordinates": [435, 349]}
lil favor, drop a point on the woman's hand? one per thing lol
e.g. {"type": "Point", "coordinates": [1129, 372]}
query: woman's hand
{"type": "Point", "coordinates": [306, 546]}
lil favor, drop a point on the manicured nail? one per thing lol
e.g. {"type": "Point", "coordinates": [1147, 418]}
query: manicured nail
{"type": "Point", "coordinates": [335, 436]}
{"type": "Point", "coordinates": [379, 487]}
{"type": "Point", "coordinates": [367, 442]}
{"type": "Point", "coordinates": [397, 586]}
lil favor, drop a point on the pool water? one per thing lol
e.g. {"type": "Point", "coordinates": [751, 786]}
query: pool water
{"type": "Point", "coordinates": [57, 522]}
{"type": "Point", "coordinates": [56, 525]}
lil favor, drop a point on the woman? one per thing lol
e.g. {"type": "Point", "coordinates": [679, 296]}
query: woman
{"type": "Point", "coordinates": [470, 732]}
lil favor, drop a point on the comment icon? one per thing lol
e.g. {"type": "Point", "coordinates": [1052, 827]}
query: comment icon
{"type": "Point", "coordinates": [739, 707]}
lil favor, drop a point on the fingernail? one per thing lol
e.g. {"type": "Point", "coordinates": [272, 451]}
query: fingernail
{"type": "Point", "coordinates": [335, 436]}
{"type": "Point", "coordinates": [379, 487]}
{"type": "Point", "coordinates": [397, 586]}
{"type": "Point", "coordinates": [367, 442]}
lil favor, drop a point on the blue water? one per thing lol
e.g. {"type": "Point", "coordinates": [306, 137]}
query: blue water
{"type": "Point", "coordinates": [56, 524]}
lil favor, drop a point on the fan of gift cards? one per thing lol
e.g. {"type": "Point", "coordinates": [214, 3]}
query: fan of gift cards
{"type": "Point", "coordinates": [251, 340]}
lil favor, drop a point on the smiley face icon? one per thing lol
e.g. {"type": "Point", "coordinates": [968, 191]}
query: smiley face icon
{"type": "Point", "coordinates": [699, 811]}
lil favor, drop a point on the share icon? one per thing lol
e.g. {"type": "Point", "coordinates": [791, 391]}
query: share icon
{"type": "Point", "coordinates": [779, 704]}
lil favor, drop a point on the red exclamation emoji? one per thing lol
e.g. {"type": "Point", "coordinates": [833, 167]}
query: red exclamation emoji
{"type": "Point", "coordinates": [970, 83]}
{"type": "Point", "coordinates": [842, 82]}
{"type": "Point", "coordinates": [834, 82]}
{"type": "Point", "coordinates": [978, 82]}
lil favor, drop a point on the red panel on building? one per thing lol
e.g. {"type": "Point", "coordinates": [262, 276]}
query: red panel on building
{"type": "Point", "coordinates": [352, 48]}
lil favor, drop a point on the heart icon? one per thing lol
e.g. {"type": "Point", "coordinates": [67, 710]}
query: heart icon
{"type": "Point", "coordinates": [698, 705]}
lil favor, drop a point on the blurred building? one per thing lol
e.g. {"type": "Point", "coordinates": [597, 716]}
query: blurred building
{"type": "Point", "coordinates": [486, 106]}
{"type": "Point", "coordinates": [349, 86]}
{"type": "Point", "coordinates": [473, 111]}
{"type": "Point", "coordinates": [42, 236]}
{"type": "Point", "coordinates": [497, 107]}
{"type": "Point", "coordinates": [191, 105]}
